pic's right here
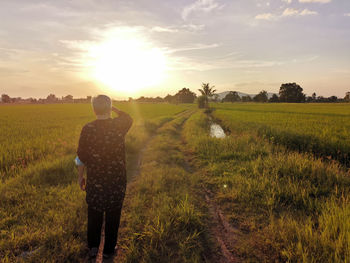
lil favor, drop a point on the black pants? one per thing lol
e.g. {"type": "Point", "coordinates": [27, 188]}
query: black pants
{"type": "Point", "coordinates": [112, 220]}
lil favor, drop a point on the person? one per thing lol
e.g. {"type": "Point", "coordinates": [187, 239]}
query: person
{"type": "Point", "coordinates": [101, 151]}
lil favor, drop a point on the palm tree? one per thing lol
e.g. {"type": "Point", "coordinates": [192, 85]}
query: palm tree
{"type": "Point", "coordinates": [207, 92]}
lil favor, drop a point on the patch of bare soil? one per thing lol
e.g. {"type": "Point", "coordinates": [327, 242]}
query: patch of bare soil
{"type": "Point", "coordinates": [224, 235]}
{"type": "Point", "coordinates": [220, 228]}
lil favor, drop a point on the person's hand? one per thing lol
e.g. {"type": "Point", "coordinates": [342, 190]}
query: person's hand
{"type": "Point", "coordinates": [82, 183]}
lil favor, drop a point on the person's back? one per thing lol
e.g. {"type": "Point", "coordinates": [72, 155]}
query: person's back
{"type": "Point", "coordinates": [102, 151]}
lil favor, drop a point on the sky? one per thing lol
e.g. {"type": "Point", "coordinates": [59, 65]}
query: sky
{"type": "Point", "coordinates": [130, 48]}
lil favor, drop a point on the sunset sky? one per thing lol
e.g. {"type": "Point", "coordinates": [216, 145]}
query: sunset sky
{"type": "Point", "coordinates": [146, 47]}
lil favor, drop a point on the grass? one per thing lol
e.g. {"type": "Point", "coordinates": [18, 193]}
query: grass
{"type": "Point", "coordinates": [43, 212]}
{"type": "Point", "coordinates": [269, 177]}
{"type": "Point", "coordinates": [162, 220]}
{"type": "Point", "coordinates": [289, 206]}
{"type": "Point", "coordinates": [320, 129]}
{"type": "Point", "coordinates": [30, 133]}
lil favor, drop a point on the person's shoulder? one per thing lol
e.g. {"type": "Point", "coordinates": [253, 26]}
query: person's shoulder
{"type": "Point", "coordinates": [89, 125]}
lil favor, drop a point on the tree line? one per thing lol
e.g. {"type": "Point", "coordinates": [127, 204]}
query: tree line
{"type": "Point", "coordinates": [289, 92]}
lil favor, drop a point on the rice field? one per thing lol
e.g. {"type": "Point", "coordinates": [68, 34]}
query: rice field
{"type": "Point", "coordinates": [42, 210]}
{"type": "Point", "coordinates": [280, 178]}
{"type": "Point", "coordinates": [286, 203]}
{"type": "Point", "coordinates": [321, 129]}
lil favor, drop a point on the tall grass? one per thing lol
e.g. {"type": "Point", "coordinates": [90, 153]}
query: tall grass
{"type": "Point", "coordinates": [42, 210]}
{"type": "Point", "coordinates": [162, 221]}
{"type": "Point", "coordinates": [290, 206]}
{"type": "Point", "coordinates": [321, 129]}
{"type": "Point", "coordinates": [29, 133]}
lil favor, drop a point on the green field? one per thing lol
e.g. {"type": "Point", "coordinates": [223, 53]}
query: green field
{"type": "Point", "coordinates": [280, 179]}
{"type": "Point", "coordinates": [322, 129]}
{"type": "Point", "coordinates": [41, 205]}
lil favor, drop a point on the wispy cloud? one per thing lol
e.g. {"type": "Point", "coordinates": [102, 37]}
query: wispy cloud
{"type": "Point", "coordinates": [193, 47]}
{"type": "Point", "coordinates": [204, 6]}
{"type": "Point", "coordinates": [164, 29]}
{"type": "Point", "coordinates": [287, 1]}
{"type": "Point", "coordinates": [348, 14]}
{"type": "Point", "coordinates": [315, 1]}
{"type": "Point", "coordinates": [233, 60]}
{"type": "Point", "coordinates": [180, 28]}
{"type": "Point", "coordinates": [307, 12]}
{"type": "Point", "coordinates": [266, 16]}
{"type": "Point", "coordinates": [296, 12]}
{"type": "Point", "coordinates": [288, 12]}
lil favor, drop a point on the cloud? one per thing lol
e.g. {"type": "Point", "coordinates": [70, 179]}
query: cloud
{"type": "Point", "coordinates": [180, 28]}
{"type": "Point", "coordinates": [288, 12]}
{"type": "Point", "coordinates": [205, 6]}
{"type": "Point", "coordinates": [306, 12]}
{"type": "Point", "coordinates": [194, 47]}
{"type": "Point", "coordinates": [295, 12]}
{"type": "Point", "coordinates": [193, 27]}
{"type": "Point", "coordinates": [348, 14]}
{"type": "Point", "coordinates": [315, 1]}
{"type": "Point", "coordinates": [287, 1]}
{"type": "Point", "coordinates": [164, 29]}
{"type": "Point", "coordinates": [265, 16]}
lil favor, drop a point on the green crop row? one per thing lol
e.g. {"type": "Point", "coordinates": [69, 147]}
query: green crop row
{"type": "Point", "coordinates": [42, 209]}
{"type": "Point", "coordinates": [287, 206]}
{"type": "Point", "coordinates": [30, 133]}
{"type": "Point", "coordinates": [320, 129]}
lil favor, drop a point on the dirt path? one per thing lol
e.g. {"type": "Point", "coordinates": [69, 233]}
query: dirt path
{"type": "Point", "coordinates": [220, 229]}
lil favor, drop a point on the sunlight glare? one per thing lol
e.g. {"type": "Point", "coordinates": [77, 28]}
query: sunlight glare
{"type": "Point", "coordinates": [127, 63]}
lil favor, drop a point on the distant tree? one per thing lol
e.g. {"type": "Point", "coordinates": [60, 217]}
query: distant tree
{"type": "Point", "coordinates": [247, 98]}
{"type": "Point", "coordinates": [313, 96]}
{"type": "Point", "coordinates": [347, 97]}
{"type": "Point", "coordinates": [5, 98]}
{"type": "Point", "coordinates": [202, 102]}
{"type": "Point", "coordinates": [207, 92]}
{"type": "Point", "coordinates": [291, 92]}
{"type": "Point", "coordinates": [185, 96]}
{"type": "Point", "coordinates": [274, 98]}
{"type": "Point", "coordinates": [68, 98]}
{"type": "Point", "coordinates": [52, 98]}
{"type": "Point", "coordinates": [232, 96]}
{"type": "Point", "coordinates": [321, 99]}
{"type": "Point", "coordinates": [261, 97]}
{"type": "Point", "coordinates": [333, 99]}
{"type": "Point", "coordinates": [168, 98]}
{"type": "Point", "coordinates": [14, 100]}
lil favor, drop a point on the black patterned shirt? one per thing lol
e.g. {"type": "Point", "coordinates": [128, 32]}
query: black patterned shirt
{"type": "Point", "coordinates": [102, 150]}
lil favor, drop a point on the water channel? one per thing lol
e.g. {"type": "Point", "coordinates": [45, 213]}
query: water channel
{"type": "Point", "coordinates": [217, 131]}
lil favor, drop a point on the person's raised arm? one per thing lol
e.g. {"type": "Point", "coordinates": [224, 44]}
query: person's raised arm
{"type": "Point", "coordinates": [124, 120]}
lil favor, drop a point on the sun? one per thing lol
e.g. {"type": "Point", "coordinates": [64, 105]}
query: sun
{"type": "Point", "coordinates": [126, 62]}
